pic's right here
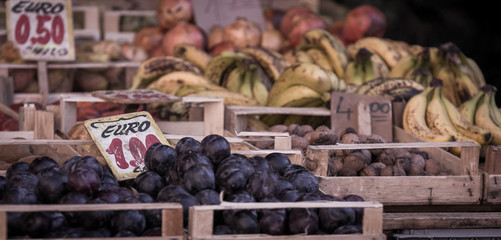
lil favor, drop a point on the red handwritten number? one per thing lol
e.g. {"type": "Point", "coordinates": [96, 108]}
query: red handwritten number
{"type": "Point", "coordinates": [116, 149]}
{"type": "Point", "coordinates": [57, 30]}
{"type": "Point", "coordinates": [137, 149]}
{"type": "Point", "coordinates": [22, 30]}
{"type": "Point", "coordinates": [150, 139]}
{"type": "Point", "coordinates": [41, 30]}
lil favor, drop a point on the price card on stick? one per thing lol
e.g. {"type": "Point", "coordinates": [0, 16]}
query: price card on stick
{"type": "Point", "coordinates": [123, 141]}
{"type": "Point", "coordinates": [41, 29]}
{"type": "Point", "coordinates": [366, 114]}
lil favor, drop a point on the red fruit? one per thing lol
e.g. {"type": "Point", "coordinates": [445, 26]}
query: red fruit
{"type": "Point", "coordinates": [363, 21]}
{"type": "Point", "coordinates": [9, 124]}
{"type": "Point", "coordinates": [291, 17]}
{"type": "Point", "coordinates": [308, 22]}
{"type": "Point", "coordinates": [183, 32]}
{"type": "Point", "coordinates": [223, 46]}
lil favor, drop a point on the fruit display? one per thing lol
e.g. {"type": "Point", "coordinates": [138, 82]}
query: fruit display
{"type": "Point", "coordinates": [191, 173]}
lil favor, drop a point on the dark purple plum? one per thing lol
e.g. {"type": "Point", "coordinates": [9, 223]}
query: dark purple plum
{"type": "Point", "coordinates": [52, 185]}
{"type": "Point", "coordinates": [198, 178]}
{"type": "Point", "coordinates": [85, 181]}
{"type": "Point", "coordinates": [187, 144]}
{"type": "Point", "coordinates": [215, 148]}
{"type": "Point", "coordinates": [65, 168]}
{"type": "Point", "coordinates": [348, 229]}
{"type": "Point", "coordinates": [160, 158]}
{"type": "Point", "coordinates": [289, 195]}
{"type": "Point", "coordinates": [128, 220]}
{"type": "Point", "coordinates": [263, 184]}
{"type": "Point", "coordinates": [302, 179]}
{"type": "Point", "coordinates": [58, 221]}
{"type": "Point", "coordinates": [332, 218]}
{"type": "Point", "coordinates": [70, 232]}
{"type": "Point", "coordinates": [284, 184]}
{"type": "Point", "coordinates": [88, 162]}
{"type": "Point", "coordinates": [302, 220]}
{"type": "Point", "coordinates": [16, 168]}
{"type": "Point", "coordinates": [176, 193]}
{"type": "Point", "coordinates": [124, 193]}
{"type": "Point", "coordinates": [153, 216]}
{"type": "Point", "coordinates": [26, 180]}
{"type": "Point", "coordinates": [40, 163]}
{"type": "Point", "coordinates": [35, 224]}
{"type": "Point", "coordinates": [244, 222]}
{"type": "Point", "coordinates": [73, 198]}
{"type": "Point", "coordinates": [359, 212]}
{"type": "Point", "coordinates": [233, 172]}
{"type": "Point", "coordinates": [108, 182]}
{"type": "Point", "coordinates": [152, 232]}
{"type": "Point", "coordinates": [278, 161]}
{"type": "Point", "coordinates": [208, 197]}
{"type": "Point", "coordinates": [3, 186]}
{"type": "Point", "coordinates": [273, 223]}
{"type": "Point", "coordinates": [149, 182]}
{"type": "Point", "coordinates": [188, 160]}
{"type": "Point", "coordinates": [95, 219]}
{"type": "Point", "coordinates": [102, 232]}
{"type": "Point", "coordinates": [125, 233]}
{"type": "Point", "coordinates": [19, 195]}
{"type": "Point", "coordinates": [222, 230]}
{"type": "Point", "coordinates": [259, 163]}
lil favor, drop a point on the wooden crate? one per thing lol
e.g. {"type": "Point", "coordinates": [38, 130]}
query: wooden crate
{"type": "Point", "coordinates": [111, 25]}
{"type": "Point", "coordinates": [201, 218]}
{"type": "Point", "coordinates": [236, 116]}
{"type": "Point", "coordinates": [172, 214]}
{"type": "Point", "coordinates": [91, 26]}
{"type": "Point", "coordinates": [461, 185]}
{"type": "Point", "coordinates": [492, 176]}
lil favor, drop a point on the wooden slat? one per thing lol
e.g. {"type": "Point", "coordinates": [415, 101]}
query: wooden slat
{"type": "Point", "coordinates": [15, 134]}
{"type": "Point", "coordinates": [3, 225]}
{"type": "Point", "coordinates": [85, 207]}
{"type": "Point", "coordinates": [492, 188]}
{"type": "Point", "coordinates": [44, 125]}
{"type": "Point", "coordinates": [251, 110]}
{"type": "Point", "coordinates": [372, 221]}
{"type": "Point", "coordinates": [492, 163]}
{"type": "Point", "coordinates": [27, 118]}
{"type": "Point", "coordinates": [172, 222]}
{"type": "Point", "coordinates": [446, 220]}
{"type": "Point", "coordinates": [214, 118]}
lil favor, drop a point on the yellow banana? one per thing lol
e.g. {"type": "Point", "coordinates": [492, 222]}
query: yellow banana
{"type": "Point", "coordinates": [333, 48]}
{"type": "Point", "coordinates": [194, 88]}
{"type": "Point", "coordinates": [246, 87]}
{"type": "Point", "coordinates": [233, 77]}
{"type": "Point", "coordinates": [466, 86]}
{"type": "Point", "coordinates": [153, 68]}
{"type": "Point", "coordinates": [479, 134]}
{"type": "Point", "coordinates": [230, 98]}
{"type": "Point", "coordinates": [272, 62]}
{"type": "Point", "coordinates": [387, 51]}
{"type": "Point", "coordinates": [485, 116]}
{"type": "Point", "coordinates": [319, 58]}
{"type": "Point", "coordinates": [421, 76]}
{"type": "Point", "coordinates": [478, 75]}
{"type": "Point", "coordinates": [362, 89]}
{"type": "Point", "coordinates": [468, 108]}
{"type": "Point", "coordinates": [169, 83]}
{"type": "Point", "coordinates": [390, 84]}
{"type": "Point", "coordinates": [259, 91]}
{"type": "Point", "coordinates": [216, 68]}
{"type": "Point", "coordinates": [302, 57]}
{"type": "Point", "coordinates": [403, 67]}
{"type": "Point", "coordinates": [195, 55]}
{"type": "Point", "coordinates": [293, 96]}
{"type": "Point", "coordinates": [449, 85]}
{"type": "Point", "coordinates": [414, 119]}
{"type": "Point", "coordinates": [255, 123]}
{"type": "Point", "coordinates": [496, 114]}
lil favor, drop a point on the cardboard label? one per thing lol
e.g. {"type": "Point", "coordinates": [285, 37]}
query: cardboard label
{"type": "Point", "coordinates": [123, 141]}
{"type": "Point", "coordinates": [366, 114]}
{"type": "Point", "coordinates": [209, 13]}
{"type": "Point", "coordinates": [137, 96]}
{"type": "Point", "coordinates": [41, 29]}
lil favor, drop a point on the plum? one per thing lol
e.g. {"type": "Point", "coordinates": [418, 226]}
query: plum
{"type": "Point", "coordinates": [102, 232]}
{"type": "Point", "coordinates": [176, 193]}
{"type": "Point", "coordinates": [332, 218]}
{"type": "Point", "coordinates": [152, 232]}
{"type": "Point", "coordinates": [233, 172]}
{"type": "Point", "coordinates": [26, 180]}
{"type": "Point", "coordinates": [243, 222]}
{"type": "Point", "coordinates": [278, 161]}
{"type": "Point", "coordinates": [187, 144]}
{"type": "Point", "coordinates": [188, 160]}
{"type": "Point", "coordinates": [289, 195]}
{"type": "Point", "coordinates": [222, 230]}
{"type": "Point", "coordinates": [3, 186]}
{"type": "Point", "coordinates": [259, 163]}
{"type": "Point", "coordinates": [301, 178]}
{"type": "Point", "coordinates": [262, 184]}
{"type": "Point", "coordinates": [215, 148]}
{"type": "Point", "coordinates": [35, 224]}
{"type": "Point", "coordinates": [359, 212]}
{"type": "Point", "coordinates": [273, 223]}
{"type": "Point", "coordinates": [88, 162]}
{"type": "Point", "coordinates": [40, 163]}
{"type": "Point", "coordinates": [208, 197]}
{"type": "Point", "coordinates": [348, 229]}
{"type": "Point", "coordinates": [108, 195]}
{"type": "Point", "coordinates": [20, 195]}
{"type": "Point", "coordinates": [302, 220]}
{"type": "Point", "coordinates": [284, 184]}
{"type": "Point", "coordinates": [95, 219]}
{"type": "Point", "coordinates": [108, 182]}
{"type": "Point", "coordinates": [17, 167]}
{"type": "Point", "coordinates": [198, 178]}
{"type": "Point", "coordinates": [73, 198]}
{"type": "Point", "coordinates": [149, 182]}
{"type": "Point", "coordinates": [52, 185]}
{"type": "Point", "coordinates": [160, 158]}
{"type": "Point", "coordinates": [65, 168]}
{"type": "Point", "coordinates": [153, 216]}
{"type": "Point", "coordinates": [128, 220]}
{"type": "Point", "coordinates": [85, 181]}
{"type": "Point", "coordinates": [58, 221]}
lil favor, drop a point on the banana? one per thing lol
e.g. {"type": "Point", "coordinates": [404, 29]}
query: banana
{"type": "Point", "coordinates": [421, 76]}
{"type": "Point", "coordinates": [153, 68]}
{"type": "Point", "coordinates": [195, 55]}
{"type": "Point", "coordinates": [333, 48]}
{"type": "Point", "coordinates": [387, 51]}
{"type": "Point", "coordinates": [259, 91]}
{"type": "Point", "coordinates": [272, 119]}
{"type": "Point", "coordinates": [232, 77]}
{"type": "Point", "coordinates": [256, 124]}
{"type": "Point", "coordinates": [486, 116]}
{"type": "Point", "coordinates": [468, 108]}
{"type": "Point", "coordinates": [293, 96]}
{"type": "Point", "coordinates": [466, 86]}
{"type": "Point", "coordinates": [396, 83]}
{"type": "Point", "coordinates": [478, 75]}
{"type": "Point", "coordinates": [217, 66]}
{"type": "Point", "coordinates": [194, 88]}
{"type": "Point", "coordinates": [319, 58]}
{"type": "Point", "coordinates": [365, 67]}
{"type": "Point", "coordinates": [362, 89]}
{"type": "Point", "coordinates": [169, 83]}
{"type": "Point", "coordinates": [294, 119]}
{"type": "Point", "coordinates": [449, 85]}
{"type": "Point", "coordinates": [479, 134]}
{"type": "Point", "coordinates": [246, 87]}
{"type": "Point", "coordinates": [400, 94]}
{"type": "Point", "coordinates": [307, 74]}
{"type": "Point", "coordinates": [438, 118]}
{"type": "Point", "coordinates": [414, 119]}
{"type": "Point", "coordinates": [272, 62]}
{"type": "Point", "coordinates": [496, 114]}
{"type": "Point", "coordinates": [302, 57]}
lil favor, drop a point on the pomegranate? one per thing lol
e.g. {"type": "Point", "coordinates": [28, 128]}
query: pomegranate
{"type": "Point", "coordinates": [222, 46]}
{"type": "Point", "coordinates": [243, 33]}
{"type": "Point", "coordinates": [183, 32]}
{"type": "Point", "coordinates": [215, 36]}
{"type": "Point", "coordinates": [308, 22]}
{"type": "Point", "coordinates": [291, 17]}
{"type": "Point", "coordinates": [149, 38]}
{"type": "Point", "coordinates": [170, 12]}
{"type": "Point", "coordinates": [364, 21]}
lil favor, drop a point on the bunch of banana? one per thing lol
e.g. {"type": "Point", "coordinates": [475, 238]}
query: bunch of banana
{"type": "Point", "coordinates": [222, 64]}
{"type": "Point", "coordinates": [365, 67]}
{"type": "Point", "coordinates": [331, 53]}
{"type": "Point", "coordinates": [193, 54]}
{"type": "Point", "coordinates": [462, 77]}
{"type": "Point", "coordinates": [212, 90]}
{"type": "Point", "coordinates": [313, 55]}
{"type": "Point", "coordinates": [393, 88]}
{"type": "Point", "coordinates": [152, 69]}
{"type": "Point", "coordinates": [273, 63]}
{"type": "Point", "coordinates": [304, 84]}
{"type": "Point", "coordinates": [416, 67]}
{"type": "Point", "coordinates": [482, 111]}
{"type": "Point", "coordinates": [389, 51]}
{"type": "Point", "coordinates": [171, 82]}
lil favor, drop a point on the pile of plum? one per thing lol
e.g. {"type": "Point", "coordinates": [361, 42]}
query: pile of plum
{"type": "Point", "coordinates": [192, 173]}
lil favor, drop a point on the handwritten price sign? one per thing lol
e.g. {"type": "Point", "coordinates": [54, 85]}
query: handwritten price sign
{"type": "Point", "coordinates": [123, 141]}
{"type": "Point", "coordinates": [41, 29]}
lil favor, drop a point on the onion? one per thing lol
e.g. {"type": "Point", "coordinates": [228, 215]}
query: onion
{"type": "Point", "coordinates": [243, 33]}
{"type": "Point", "coordinates": [308, 22]}
{"type": "Point", "coordinates": [149, 38]}
{"type": "Point", "coordinates": [222, 46]}
{"type": "Point", "coordinates": [183, 32]}
{"type": "Point", "coordinates": [364, 21]}
{"type": "Point", "coordinates": [291, 17]}
{"type": "Point", "coordinates": [215, 36]}
{"type": "Point", "coordinates": [170, 12]}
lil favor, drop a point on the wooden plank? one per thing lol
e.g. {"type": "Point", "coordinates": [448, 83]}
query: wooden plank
{"type": "Point", "coordinates": [92, 29]}
{"type": "Point", "coordinates": [172, 222]}
{"type": "Point", "coordinates": [283, 143]}
{"type": "Point", "coordinates": [85, 207]}
{"type": "Point", "coordinates": [16, 134]}
{"type": "Point", "coordinates": [407, 190]}
{"type": "Point", "coordinates": [55, 109]}
{"type": "Point", "coordinates": [6, 90]}
{"type": "Point", "coordinates": [372, 222]}
{"type": "Point", "coordinates": [3, 225]}
{"type": "Point", "coordinates": [200, 223]}
{"type": "Point", "coordinates": [214, 118]}
{"type": "Point", "coordinates": [182, 127]}
{"type": "Point", "coordinates": [492, 163]}
{"type": "Point", "coordinates": [9, 112]}
{"type": "Point", "coordinates": [44, 125]}
{"type": "Point", "coordinates": [27, 118]}
{"type": "Point", "coordinates": [445, 220]}
{"type": "Point", "coordinates": [252, 110]}
{"type": "Point", "coordinates": [43, 81]}
{"type": "Point", "coordinates": [492, 188]}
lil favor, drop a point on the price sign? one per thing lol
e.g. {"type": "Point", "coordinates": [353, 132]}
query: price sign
{"type": "Point", "coordinates": [366, 114]}
{"type": "Point", "coordinates": [208, 13]}
{"type": "Point", "coordinates": [123, 141]}
{"type": "Point", "coordinates": [41, 29]}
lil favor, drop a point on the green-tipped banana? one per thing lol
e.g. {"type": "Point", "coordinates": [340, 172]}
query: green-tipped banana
{"type": "Point", "coordinates": [259, 91]}
{"type": "Point", "coordinates": [302, 57]}
{"type": "Point", "coordinates": [387, 51]}
{"type": "Point", "coordinates": [294, 96]}
{"type": "Point", "coordinates": [169, 83]}
{"type": "Point", "coordinates": [319, 58]}
{"type": "Point", "coordinates": [272, 62]}
{"type": "Point", "coordinates": [485, 117]}
{"type": "Point", "coordinates": [333, 48]}
{"type": "Point", "coordinates": [365, 67]}
{"type": "Point", "coordinates": [403, 67]}
{"type": "Point", "coordinates": [468, 108]}
{"type": "Point", "coordinates": [233, 77]}
{"type": "Point", "coordinates": [216, 68]}
{"type": "Point", "coordinates": [195, 55]}
{"type": "Point", "coordinates": [414, 119]}
{"type": "Point", "coordinates": [153, 68]}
